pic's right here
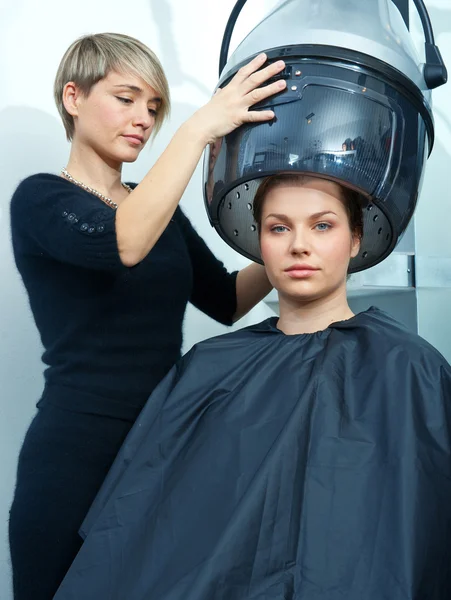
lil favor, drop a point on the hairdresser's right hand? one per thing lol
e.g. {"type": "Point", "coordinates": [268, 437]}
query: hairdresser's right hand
{"type": "Point", "coordinates": [229, 107]}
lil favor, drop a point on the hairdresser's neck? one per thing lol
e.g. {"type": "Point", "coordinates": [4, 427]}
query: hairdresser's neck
{"type": "Point", "coordinates": [316, 315]}
{"type": "Point", "coordinates": [86, 165]}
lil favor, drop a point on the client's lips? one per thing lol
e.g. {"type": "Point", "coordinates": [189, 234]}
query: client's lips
{"type": "Point", "coordinates": [301, 267]}
{"type": "Point", "coordinates": [300, 270]}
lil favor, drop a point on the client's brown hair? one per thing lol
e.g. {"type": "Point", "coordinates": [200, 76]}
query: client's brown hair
{"type": "Point", "coordinates": [350, 198]}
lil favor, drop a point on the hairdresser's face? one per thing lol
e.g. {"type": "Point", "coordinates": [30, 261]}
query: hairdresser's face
{"type": "Point", "coordinates": [306, 242]}
{"type": "Point", "coordinates": [116, 118]}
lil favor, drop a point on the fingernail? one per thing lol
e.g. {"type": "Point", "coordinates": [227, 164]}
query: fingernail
{"type": "Point", "coordinates": [262, 55]}
{"type": "Point", "coordinates": [280, 63]}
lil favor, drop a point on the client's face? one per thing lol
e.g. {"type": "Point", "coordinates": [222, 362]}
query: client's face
{"type": "Point", "coordinates": [306, 242]}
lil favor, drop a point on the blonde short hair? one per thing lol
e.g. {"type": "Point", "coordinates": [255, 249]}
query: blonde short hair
{"type": "Point", "coordinates": [91, 58]}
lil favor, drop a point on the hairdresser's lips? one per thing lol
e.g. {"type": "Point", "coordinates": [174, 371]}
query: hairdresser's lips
{"type": "Point", "coordinates": [137, 140]}
{"type": "Point", "coordinates": [300, 271]}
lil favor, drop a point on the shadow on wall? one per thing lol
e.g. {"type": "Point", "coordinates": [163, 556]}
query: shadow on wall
{"type": "Point", "coordinates": [162, 15]}
{"type": "Point", "coordinates": [30, 141]}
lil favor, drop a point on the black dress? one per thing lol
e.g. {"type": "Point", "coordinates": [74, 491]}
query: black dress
{"type": "Point", "coordinates": [268, 466]}
{"type": "Point", "coordinates": [110, 334]}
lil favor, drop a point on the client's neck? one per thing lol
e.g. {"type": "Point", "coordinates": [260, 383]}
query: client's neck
{"type": "Point", "coordinates": [314, 315]}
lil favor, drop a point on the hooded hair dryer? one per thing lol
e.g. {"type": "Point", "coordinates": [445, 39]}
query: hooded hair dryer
{"type": "Point", "coordinates": [356, 110]}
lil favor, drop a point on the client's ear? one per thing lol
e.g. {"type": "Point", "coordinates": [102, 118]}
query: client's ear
{"type": "Point", "coordinates": [355, 246]}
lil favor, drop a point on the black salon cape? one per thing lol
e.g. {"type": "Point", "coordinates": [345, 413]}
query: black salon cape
{"type": "Point", "coordinates": [278, 467]}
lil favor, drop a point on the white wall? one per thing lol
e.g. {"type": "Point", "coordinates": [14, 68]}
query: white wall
{"type": "Point", "coordinates": [186, 35]}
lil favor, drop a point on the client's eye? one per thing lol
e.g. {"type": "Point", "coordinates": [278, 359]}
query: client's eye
{"type": "Point", "coordinates": [279, 228]}
{"type": "Point", "coordinates": [323, 226]}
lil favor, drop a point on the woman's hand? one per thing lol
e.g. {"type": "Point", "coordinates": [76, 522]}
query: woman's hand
{"type": "Point", "coordinates": [229, 107]}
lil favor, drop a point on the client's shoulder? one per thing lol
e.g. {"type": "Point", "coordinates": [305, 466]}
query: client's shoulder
{"type": "Point", "coordinates": [386, 334]}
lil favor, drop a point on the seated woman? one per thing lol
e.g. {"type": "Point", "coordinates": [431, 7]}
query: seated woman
{"type": "Point", "coordinates": [306, 457]}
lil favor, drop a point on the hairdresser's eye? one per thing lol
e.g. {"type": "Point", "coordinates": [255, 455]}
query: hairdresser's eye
{"type": "Point", "coordinates": [124, 100]}
{"type": "Point", "coordinates": [153, 113]}
{"type": "Point", "coordinates": [278, 228]}
{"type": "Point", "coordinates": [323, 226]}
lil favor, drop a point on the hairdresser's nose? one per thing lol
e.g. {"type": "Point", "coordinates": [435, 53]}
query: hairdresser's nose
{"type": "Point", "coordinates": [143, 116]}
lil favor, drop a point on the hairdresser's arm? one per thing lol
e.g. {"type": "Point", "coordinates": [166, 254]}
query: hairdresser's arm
{"type": "Point", "coordinates": [252, 285]}
{"type": "Point", "coordinates": [144, 215]}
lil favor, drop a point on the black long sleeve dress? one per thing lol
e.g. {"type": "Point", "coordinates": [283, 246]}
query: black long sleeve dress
{"type": "Point", "coordinates": [110, 334]}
